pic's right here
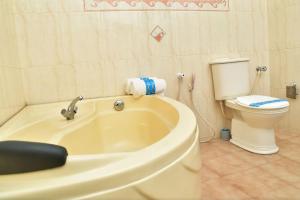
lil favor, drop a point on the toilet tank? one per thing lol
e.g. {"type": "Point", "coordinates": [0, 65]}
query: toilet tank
{"type": "Point", "coordinates": [230, 78]}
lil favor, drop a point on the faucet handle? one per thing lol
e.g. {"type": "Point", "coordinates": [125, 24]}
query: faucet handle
{"type": "Point", "coordinates": [75, 109]}
{"type": "Point", "coordinates": [63, 111]}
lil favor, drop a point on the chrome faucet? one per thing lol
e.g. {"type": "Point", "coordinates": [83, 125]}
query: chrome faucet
{"type": "Point", "coordinates": [70, 112]}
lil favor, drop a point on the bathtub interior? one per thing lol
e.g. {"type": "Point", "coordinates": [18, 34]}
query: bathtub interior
{"type": "Point", "coordinates": [116, 132]}
{"type": "Point", "coordinates": [40, 123]}
{"type": "Point", "coordinates": [100, 129]}
{"type": "Point", "coordinates": [41, 131]}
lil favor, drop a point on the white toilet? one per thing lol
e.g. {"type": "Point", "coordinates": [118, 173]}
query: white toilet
{"type": "Point", "coordinates": [254, 116]}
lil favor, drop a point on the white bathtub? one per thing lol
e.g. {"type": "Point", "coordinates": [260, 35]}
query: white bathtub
{"type": "Point", "coordinates": [150, 150]}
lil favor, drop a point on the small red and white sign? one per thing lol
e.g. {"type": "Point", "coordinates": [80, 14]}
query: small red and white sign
{"type": "Point", "coordinates": [158, 33]}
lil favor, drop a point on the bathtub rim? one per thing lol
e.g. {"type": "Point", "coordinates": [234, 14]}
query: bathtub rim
{"type": "Point", "coordinates": [179, 136]}
{"type": "Point", "coordinates": [144, 179]}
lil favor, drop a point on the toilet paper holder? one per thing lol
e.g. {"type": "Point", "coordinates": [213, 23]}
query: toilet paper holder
{"type": "Point", "coordinates": [291, 91]}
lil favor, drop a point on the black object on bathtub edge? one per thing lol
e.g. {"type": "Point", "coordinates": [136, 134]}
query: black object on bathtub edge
{"type": "Point", "coordinates": [20, 156]}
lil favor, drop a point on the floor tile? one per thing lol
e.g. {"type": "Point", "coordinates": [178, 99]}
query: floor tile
{"type": "Point", "coordinates": [288, 192]}
{"type": "Point", "coordinates": [229, 172]}
{"type": "Point", "coordinates": [295, 140]}
{"type": "Point", "coordinates": [256, 183]}
{"type": "Point", "coordinates": [290, 150]}
{"type": "Point", "coordinates": [209, 151]}
{"type": "Point", "coordinates": [252, 158]}
{"type": "Point", "coordinates": [285, 169]}
{"type": "Point", "coordinates": [227, 164]}
{"type": "Point", "coordinates": [227, 146]}
{"type": "Point", "coordinates": [283, 134]}
{"type": "Point", "coordinates": [208, 174]}
{"type": "Point", "coordinates": [220, 190]}
{"type": "Point", "coordinates": [297, 185]}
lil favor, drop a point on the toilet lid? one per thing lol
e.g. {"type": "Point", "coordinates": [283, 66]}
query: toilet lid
{"type": "Point", "coordinates": [262, 102]}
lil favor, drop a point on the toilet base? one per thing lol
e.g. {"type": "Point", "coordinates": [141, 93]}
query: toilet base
{"type": "Point", "coordinates": [256, 140]}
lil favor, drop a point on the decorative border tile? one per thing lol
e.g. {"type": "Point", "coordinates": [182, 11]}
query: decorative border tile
{"type": "Point", "coordinates": [140, 5]}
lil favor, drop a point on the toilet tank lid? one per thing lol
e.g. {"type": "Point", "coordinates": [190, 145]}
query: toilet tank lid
{"type": "Point", "coordinates": [228, 60]}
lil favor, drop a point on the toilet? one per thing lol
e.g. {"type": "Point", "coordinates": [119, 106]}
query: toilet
{"type": "Point", "coordinates": [253, 116]}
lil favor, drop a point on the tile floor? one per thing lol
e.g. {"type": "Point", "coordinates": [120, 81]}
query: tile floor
{"type": "Point", "coordinates": [230, 173]}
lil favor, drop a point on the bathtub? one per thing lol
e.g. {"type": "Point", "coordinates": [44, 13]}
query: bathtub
{"type": "Point", "coordinates": [150, 150]}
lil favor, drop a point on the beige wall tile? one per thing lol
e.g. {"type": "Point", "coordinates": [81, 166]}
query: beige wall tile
{"type": "Point", "coordinates": [87, 75]}
{"type": "Point", "coordinates": [65, 52]}
{"type": "Point", "coordinates": [11, 84]}
{"type": "Point", "coordinates": [284, 54]}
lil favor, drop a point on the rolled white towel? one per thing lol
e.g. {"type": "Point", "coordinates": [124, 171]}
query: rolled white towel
{"type": "Point", "coordinates": [128, 83]}
{"type": "Point", "coordinates": [137, 87]}
{"type": "Point", "coordinates": [160, 85]}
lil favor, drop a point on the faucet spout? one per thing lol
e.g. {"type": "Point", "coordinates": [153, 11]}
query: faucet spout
{"type": "Point", "coordinates": [70, 112]}
{"type": "Point", "coordinates": [72, 105]}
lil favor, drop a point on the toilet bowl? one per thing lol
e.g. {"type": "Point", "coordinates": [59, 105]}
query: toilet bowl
{"type": "Point", "coordinates": [253, 116]}
{"type": "Point", "coordinates": [252, 128]}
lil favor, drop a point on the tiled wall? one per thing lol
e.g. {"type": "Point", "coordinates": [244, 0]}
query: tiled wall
{"type": "Point", "coordinates": [284, 29]}
{"type": "Point", "coordinates": [11, 88]}
{"type": "Point", "coordinates": [66, 52]}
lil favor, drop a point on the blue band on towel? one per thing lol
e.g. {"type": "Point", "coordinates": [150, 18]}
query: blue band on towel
{"type": "Point", "coordinates": [150, 85]}
{"type": "Point", "coordinates": [258, 104]}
